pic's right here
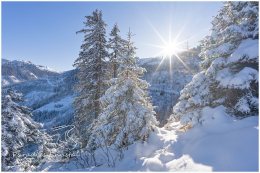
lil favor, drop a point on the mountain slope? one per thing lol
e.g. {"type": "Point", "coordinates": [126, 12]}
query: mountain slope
{"type": "Point", "coordinates": [51, 97]}
{"type": "Point", "coordinates": [20, 71]}
{"type": "Point", "coordinates": [167, 78]}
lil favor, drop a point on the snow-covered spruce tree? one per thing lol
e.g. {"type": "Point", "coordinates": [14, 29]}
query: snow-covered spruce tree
{"type": "Point", "coordinates": [92, 73]}
{"type": "Point", "coordinates": [128, 114]}
{"type": "Point", "coordinates": [19, 132]}
{"type": "Point", "coordinates": [230, 67]}
{"type": "Point", "coordinates": [117, 45]}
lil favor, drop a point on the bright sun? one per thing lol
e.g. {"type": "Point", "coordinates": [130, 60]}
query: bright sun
{"type": "Point", "coordinates": [170, 49]}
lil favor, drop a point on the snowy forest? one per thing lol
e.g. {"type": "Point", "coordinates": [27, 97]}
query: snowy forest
{"type": "Point", "coordinates": [118, 112]}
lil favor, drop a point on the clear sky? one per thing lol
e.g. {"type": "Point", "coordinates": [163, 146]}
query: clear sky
{"type": "Point", "coordinates": [45, 32]}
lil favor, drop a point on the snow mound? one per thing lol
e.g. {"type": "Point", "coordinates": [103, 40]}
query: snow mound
{"type": "Point", "coordinates": [223, 143]}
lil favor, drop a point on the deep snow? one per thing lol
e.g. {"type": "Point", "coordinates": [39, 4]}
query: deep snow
{"type": "Point", "coordinates": [220, 143]}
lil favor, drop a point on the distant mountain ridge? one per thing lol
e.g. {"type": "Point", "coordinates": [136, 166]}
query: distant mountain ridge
{"type": "Point", "coordinates": [51, 94]}
{"type": "Point", "coordinates": [19, 71]}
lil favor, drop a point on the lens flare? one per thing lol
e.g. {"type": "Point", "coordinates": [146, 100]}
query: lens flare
{"type": "Point", "coordinates": [170, 49]}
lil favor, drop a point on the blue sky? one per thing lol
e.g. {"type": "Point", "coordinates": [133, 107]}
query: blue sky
{"type": "Point", "coordinates": [45, 32]}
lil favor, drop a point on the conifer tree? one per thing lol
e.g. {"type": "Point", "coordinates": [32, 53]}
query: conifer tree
{"type": "Point", "coordinates": [19, 131]}
{"type": "Point", "coordinates": [230, 67]}
{"type": "Point", "coordinates": [128, 114]}
{"type": "Point", "coordinates": [92, 73]}
{"type": "Point", "coordinates": [117, 44]}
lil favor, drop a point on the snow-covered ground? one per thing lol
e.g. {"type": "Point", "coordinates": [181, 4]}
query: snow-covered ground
{"type": "Point", "coordinates": [221, 143]}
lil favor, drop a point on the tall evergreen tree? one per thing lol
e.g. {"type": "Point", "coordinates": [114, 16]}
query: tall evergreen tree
{"type": "Point", "coordinates": [18, 132]}
{"type": "Point", "coordinates": [128, 114]}
{"type": "Point", "coordinates": [117, 44]}
{"type": "Point", "coordinates": [230, 67]}
{"type": "Point", "coordinates": [92, 74]}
